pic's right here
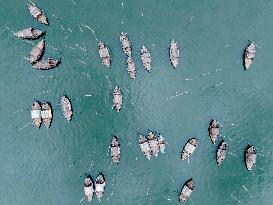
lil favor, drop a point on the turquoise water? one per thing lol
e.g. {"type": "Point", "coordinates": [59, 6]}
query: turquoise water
{"type": "Point", "coordinates": [48, 166]}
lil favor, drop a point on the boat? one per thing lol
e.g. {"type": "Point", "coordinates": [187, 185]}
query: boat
{"type": "Point", "coordinates": [37, 13]}
{"type": "Point", "coordinates": [46, 64]}
{"type": "Point", "coordinates": [249, 55]}
{"type": "Point", "coordinates": [213, 130]}
{"type": "Point", "coordinates": [153, 143]}
{"type": "Point", "coordinates": [144, 146]}
{"type": "Point", "coordinates": [174, 53]}
{"type": "Point", "coordinates": [37, 51]}
{"type": "Point", "coordinates": [66, 108]}
{"type": "Point", "coordinates": [146, 58]}
{"type": "Point", "coordinates": [46, 114]}
{"type": "Point", "coordinates": [131, 68]}
{"type": "Point", "coordinates": [221, 152]}
{"type": "Point", "coordinates": [115, 150]}
{"type": "Point", "coordinates": [250, 157]}
{"type": "Point", "coordinates": [88, 188]}
{"type": "Point", "coordinates": [117, 98]}
{"type": "Point", "coordinates": [186, 191]}
{"type": "Point", "coordinates": [100, 184]}
{"type": "Point", "coordinates": [36, 114]}
{"type": "Point", "coordinates": [189, 148]}
{"type": "Point", "coordinates": [29, 33]}
{"type": "Point", "coordinates": [104, 54]}
{"type": "Point", "coordinates": [161, 142]}
{"type": "Point", "coordinates": [125, 44]}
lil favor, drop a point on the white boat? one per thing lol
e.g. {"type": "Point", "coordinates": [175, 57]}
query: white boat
{"type": "Point", "coordinates": [88, 188]}
{"type": "Point", "coordinates": [221, 152]}
{"type": "Point", "coordinates": [174, 53]}
{"type": "Point", "coordinates": [249, 55]}
{"type": "Point", "coordinates": [36, 52]}
{"type": "Point", "coordinates": [100, 184]}
{"type": "Point", "coordinates": [131, 68]}
{"type": "Point", "coordinates": [37, 13]}
{"type": "Point", "coordinates": [186, 191]}
{"type": "Point", "coordinates": [146, 59]}
{"type": "Point", "coordinates": [104, 54]}
{"type": "Point", "coordinates": [189, 148]}
{"type": "Point", "coordinates": [115, 150]}
{"type": "Point", "coordinates": [29, 33]}
{"type": "Point", "coordinates": [125, 44]}
{"type": "Point", "coordinates": [162, 144]}
{"type": "Point", "coordinates": [117, 99]}
{"type": "Point", "coordinates": [66, 108]}
{"type": "Point", "coordinates": [153, 143]}
{"type": "Point", "coordinates": [36, 114]}
{"type": "Point", "coordinates": [144, 146]}
{"type": "Point", "coordinates": [250, 157]}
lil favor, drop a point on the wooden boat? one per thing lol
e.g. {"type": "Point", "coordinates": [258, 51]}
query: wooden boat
{"type": "Point", "coordinates": [153, 143]}
{"type": "Point", "coordinates": [125, 44]}
{"type": "Point", "coordinates": [221, 152]}
{"type": "Point", "coordinates": [104, 54]}
{"type": "Point", "coordinates": [46, 64]}
{"type": "Point", "coordinates": [250, 157]}
{"type": "Point", "coordinates": [29, 33]}
{"type": "Point", "coordinates": [189, 148]}
{"type": "Point", "coordinates": [36, 114]}
{"type": "Point", "coordinates": [213, 131]}
{"type": "Point", "coordinates": [131, 67]}
{"type": "Point", "coordinates": [117, 98]}
{"type": "Point", "coordinates": [37, 13]}
{"type": "Point", "coordinates": [46, 114]}
{"type": "Point", "coordinates": [115, 150]}
{"type": "Point", "coordinates": [161, 142]}
{"type": "Point", "coordinates": [174, 53]}
{"type": "Point", "coordinates": [144, 146]}
{"type": "Point", "coordinates": [88, 188]}
{"type": "Point", "coordinates": [249, 55]}
{"type": "Point", "coordinates": [100, 184]}
{"type": "Point", "coordinates": [146, 58]}
{"type": "Point", "coordinates": [186, 191]}
{"type": "Point", "coordinates": [37, 51]}
{"type": "Point", "coordinates": [66, 108]}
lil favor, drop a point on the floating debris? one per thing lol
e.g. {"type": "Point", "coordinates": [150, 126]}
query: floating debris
{"type": "Point", "coordinates": [36, 114]}
{"type": "Point", "coordinates": [115, 150]}
{"type": "Point", "coordinates": [117, 98]}
{"type": "Point", "coordinates": [37, 13]}
{"type": "Point", "coordinates": [174, 53]}
{"type": "Point", "coordinates": [66, 108]}
{"type": "Point", "coordinates": [104, 54]}
{"type": "Point", "coordinates": [100, 184]}
{"type": "Point", "coordinates": [144, 146]}
{"type": "Point", "coordinates": [46, 64]}
{"type": "Point", "coordinates": [29, 33]}
{"type": "Point", "coordinates": [189, 148]}
{"type": "Point", "coordinates": [125, 43]}
{"type": "Point", "coordinates": [46, 114]}
{"type": "Point", "coordinates": [250, 157]}
{"type": "Point", "coordinates": [213, 130]}
{"type": "Point", "coordinates": [146, 58]}
{"type": "Point", "coordinates": [221, 152]}
{"type": "Point", "coordinates": [88, 187]}
{"type": "Point", "coordinates": [186, 191]}
{"type": "Point", "coordinates": [37, 51]}
{"type": "Point", "coordinates": [249, 55]}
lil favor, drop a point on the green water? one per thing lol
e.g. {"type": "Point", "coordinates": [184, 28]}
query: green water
{"type": "Point", "coordinates": [48, 166]}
